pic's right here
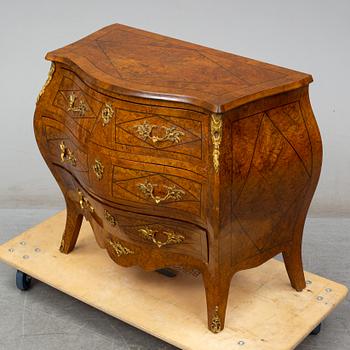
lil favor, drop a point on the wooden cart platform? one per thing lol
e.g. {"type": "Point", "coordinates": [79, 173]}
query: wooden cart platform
{"type": "Point", "coordinates": [264, 312]}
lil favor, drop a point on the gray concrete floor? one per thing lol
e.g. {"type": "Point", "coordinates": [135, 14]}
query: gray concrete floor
{"type": "Point", "coordinates": [45, 318]}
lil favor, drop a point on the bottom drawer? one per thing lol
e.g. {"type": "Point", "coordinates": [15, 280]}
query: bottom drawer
{"type": "Point", "coordinates": [155, 234]}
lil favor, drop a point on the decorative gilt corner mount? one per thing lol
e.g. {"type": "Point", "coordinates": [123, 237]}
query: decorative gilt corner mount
{"type": "Point", "coordinates": [216, 137]}
{"type": "Point", "coordinates": [47, 82]}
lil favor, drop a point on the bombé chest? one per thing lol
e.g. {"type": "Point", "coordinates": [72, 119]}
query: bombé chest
{"type": "Point", "coordinates": [177, 154]}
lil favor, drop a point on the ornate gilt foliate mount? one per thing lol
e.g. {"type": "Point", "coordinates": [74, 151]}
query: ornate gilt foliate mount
{"type": "Point", "coordinates": [170, 134]}
{"type": "Point", "coordinates": [216, 137]}
{"type": "Point", "coordinates": [110, 218]}
{"type": "Point", "coordinates": [47, 82]}
{"type": "Point", "coordinates": [67, 155]}
{"type": "Point", "coordinates": [172, 192]}
{"type": "Point", "coordinates": [107, 113]}
{"type": "Point", "coordinates": [120, 249]}
{"type": "Point", "coordinates": [215, 326]}
{"type": "Point", "coordinates": [84, 203]}
{"type": "Point", "coordinates": [171, 237]}
{"type": "Point", "coordinates": [81, 108]}
{"type": "Point", "coordinates": [98, 169]}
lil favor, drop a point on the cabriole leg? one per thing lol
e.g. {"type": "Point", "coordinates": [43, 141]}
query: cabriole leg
{"type": "Point", "coordinates": [217, 290]}
{"type": "Point", "coordinates": [73, 223]}
{"type": "Point", "coordinates": [294, 266]}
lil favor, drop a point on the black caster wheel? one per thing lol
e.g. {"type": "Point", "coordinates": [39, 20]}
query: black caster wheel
{"type": "Point", "coordinates": [23, 281]}
{"type": "Point", "coordinates": [316, 330]}
{"type": "Point", "coordinates": [167, 272]}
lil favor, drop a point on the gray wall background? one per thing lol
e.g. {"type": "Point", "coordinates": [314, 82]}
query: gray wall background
{"type": "Point", "coordinates": [311, 36]}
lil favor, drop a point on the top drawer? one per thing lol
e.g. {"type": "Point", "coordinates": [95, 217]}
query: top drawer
{"type": "Point", "coordinates": [130, 127]}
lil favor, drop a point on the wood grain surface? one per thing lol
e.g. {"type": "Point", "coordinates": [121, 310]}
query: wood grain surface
{"type": "Point", "coordinates": [170, 183]}
{"type": "Point", "coordinates": [139, 63]}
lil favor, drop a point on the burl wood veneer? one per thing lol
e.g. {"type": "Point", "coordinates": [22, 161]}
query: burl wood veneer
{"type": "Point", "coordinates": [180, 155]}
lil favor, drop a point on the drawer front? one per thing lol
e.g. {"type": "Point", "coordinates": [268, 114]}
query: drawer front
{"type": "Point", "coordinates": [153, 188]}
{"type": "Point", "coordinates": [73, 103]}
{"type": "Point", "coordinates": [159, 133]}
{"type": "Point", "coordinates": [65, 151]}
{"type": "Point", "coordinates": [151, 233]}
{"type": "Point", "coordinates": [157, 234]}
{"type": "Point", "coordinates": [132, 128]}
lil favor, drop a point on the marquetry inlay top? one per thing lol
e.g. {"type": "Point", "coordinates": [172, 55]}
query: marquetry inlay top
{"type": "Point", "coordinates": [139, 63]}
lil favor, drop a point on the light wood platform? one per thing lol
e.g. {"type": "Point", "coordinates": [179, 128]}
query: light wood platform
{"type": "Point", "coordinates": [264, 312]}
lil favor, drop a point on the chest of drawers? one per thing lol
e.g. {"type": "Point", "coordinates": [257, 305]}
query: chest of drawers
{"type": "Point", "coordinates": [180, 155]}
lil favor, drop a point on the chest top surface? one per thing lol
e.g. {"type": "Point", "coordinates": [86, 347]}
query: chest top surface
{"type": "Point", "coordinates": [134, 62]}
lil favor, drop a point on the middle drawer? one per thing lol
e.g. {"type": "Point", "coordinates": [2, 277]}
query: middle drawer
{"type": "Point", "coordinates": [154, 187]}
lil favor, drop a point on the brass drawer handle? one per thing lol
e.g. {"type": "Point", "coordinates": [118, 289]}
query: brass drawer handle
{"type": "Point", "coordinates": [84, 203]}
{"type": "Point", "coordinates": [98, 169]}
{"type": "Point", "coordinates": [107, 114]}
{"type": "Point", "coordinates": [170, 134]}
{"type": "Point", "coordinates": [172, 192]}
{"type": "Point", "coordinates": [67, 155]}
{"type": "Point", "coordinates": [81, 108]}
{"type": "Point", "coordinates": [120, 249]}
{"type": "Point", "coordinates": [171, 237]}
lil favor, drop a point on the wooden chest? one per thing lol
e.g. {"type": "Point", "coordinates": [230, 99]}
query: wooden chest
{"type": "Point", "coordinates": [179, 155]}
